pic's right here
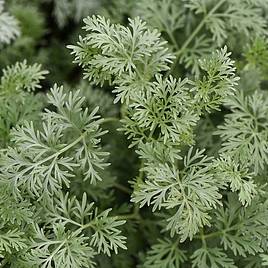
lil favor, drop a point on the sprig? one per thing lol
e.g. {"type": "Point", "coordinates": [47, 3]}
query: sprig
{"type": "Point", "coordinates": [39, 163]}
{"type": "Point", "coordinates": [103, 229]}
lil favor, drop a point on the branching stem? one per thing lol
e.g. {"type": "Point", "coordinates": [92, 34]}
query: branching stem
{"type": "Point", "coordinates": [193, 35]}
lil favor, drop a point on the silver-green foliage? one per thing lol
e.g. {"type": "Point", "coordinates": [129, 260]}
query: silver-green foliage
{"type": "Point", "coordinates": [43, 161]}
{"type": "Point", "coordinates": [211, 211]}
{"type": "Point", "coordinates": [160, 113]}
{"type": "Point", "coordinates": [91, 233]}
{"type": "Point", "coordinates": [244, 133]}
{"type": "Point", "coordinates": [41, 226]}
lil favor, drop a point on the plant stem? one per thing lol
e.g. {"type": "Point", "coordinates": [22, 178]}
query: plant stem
{"type": "Point", "coordinates": [203, 236]}
{"type": "Point", "coordinates": [130, 216]}
{"type": "Point", "coordinates": [69, 146]}
{"type": "Point", "coordinates": [88, 225]}
{"type": "Point", "coordinates": [122, 188]}
{"type": "Point", "coordinates": [122, 110]}
{"type": "Point", "coordinates": [134, 215]}
{"type": "Point", "coordinates": [212, 234]}
{"type": "Point", "coordinates": [192, 36]}
{"type": "Point", "coordinates": [110, 119]}
{"type": "Point", "coordinates": [172, 38]}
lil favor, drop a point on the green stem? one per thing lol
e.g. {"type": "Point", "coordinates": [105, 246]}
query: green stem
{"type": "Point", "coordinates": [192, 36]}
{"type": "Point", "coordinates": [203, 236]}
{"type": "Point", "coordinates": [122, 110]}
{"type": "Point", "coordinates": [172, 38]}
{"type": "Point", "coordinates": [88, 225]}
{"type": "Point", "coordinates": [109, 119]}
{"type": "Point", "coordinates": [141, 173]}
{"type": "Point", "coordinates": [176, 243]}
{"type": "Point", "coordinates": [69, 221]}
{"type": "Point", "coordinates": [122, 188]}
{"type": "Point", "coordinates": [136, 209]}
{"type": "Point", "coordinates": [131, 216]}
{"type": "Point", "coordinates": [69, 146]}
{"type": "Point", "coordinates": [212, 234]}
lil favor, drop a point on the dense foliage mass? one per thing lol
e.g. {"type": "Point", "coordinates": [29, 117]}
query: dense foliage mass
{"type": "Point", "coordinates": [133, 133]}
